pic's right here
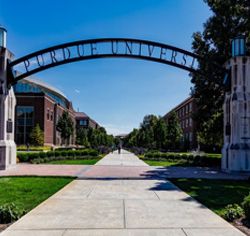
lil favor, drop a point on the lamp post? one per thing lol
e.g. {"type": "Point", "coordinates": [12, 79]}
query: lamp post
{"type": "Point", "coordinates": [238, 45]}
{"type": "Point", "coordinates": [3, 34]}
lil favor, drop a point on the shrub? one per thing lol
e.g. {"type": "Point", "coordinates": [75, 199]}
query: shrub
{"type": "Point", "coordinates": [64, 153]}
{"type": "Point", "coordinates": [33, 155]}
{"type": "Point", "coordinates": [50, 154]}
{"type": "Point", "coordinates": [42, 154]}
{"type": "Point", "coordinates": [58, 153]}
{"type": "Point", "coordinates": [232, 212]}
{"type": "Point", "coordinates": [71, 153]}
{"type": "Point", "coordinates": [37, 136]}
{"type": "Point", "coordinates": [33, 148]}
{"type": "Point", "coordinates": [23, 157]}
{"type": "Point", "coordinates": [92, 153]}
{"type": "Point", "coordinates": [10, 213]}
{"type": "Point", "coordinates": [246, 206]}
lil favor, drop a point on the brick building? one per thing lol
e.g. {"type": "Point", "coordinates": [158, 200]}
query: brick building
{"type": "Point", "coordinates": [40, 103]}
{"type": "Point", "coordinates": [84, 121]}
{"type": "Point", "coordinates": [185, 111]}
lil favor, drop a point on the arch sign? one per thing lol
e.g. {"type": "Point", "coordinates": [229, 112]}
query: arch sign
{"type": "Point", "coordinates": [101, 48]}
{"type": "Point", "coordinates": [236, 148]}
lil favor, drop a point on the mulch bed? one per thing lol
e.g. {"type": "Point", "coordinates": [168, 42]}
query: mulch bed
{"type": "Point", "coordinates": [243, 225]}
{"type": "Point", "coordinates": [3, 227]}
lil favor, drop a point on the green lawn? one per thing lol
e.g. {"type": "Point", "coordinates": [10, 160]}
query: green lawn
{"type": "Point", "coordinates": [215, 194]}
{"type": "Point", "coordinates": [165, 163]}
{"type": "Point", "coordinates": [28, 192]}
{"type": "Point", "coordinates": [75, 162]}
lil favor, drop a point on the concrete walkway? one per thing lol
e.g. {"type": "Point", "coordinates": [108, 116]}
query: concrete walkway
{"type": "Point", "coordinates": [121, 207]}
{"type": "Point", "coordinates": [124, 159]}
{"type": "Point", "coordinates": [114, 166]}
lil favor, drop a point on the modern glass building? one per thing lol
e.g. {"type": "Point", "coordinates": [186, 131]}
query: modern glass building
{"type": "Point", "coordinates": [42, 104]}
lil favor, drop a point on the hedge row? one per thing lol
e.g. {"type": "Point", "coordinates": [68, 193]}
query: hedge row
{"type": "Point", "coordinates": [202, 160]}
{"type": "Point", "coordinates": [48, 159]}
{"type": "Point", "coordinates": [29, 156]}
{"type": "Point", "coordinates": [70, 148]}
{"type": "Point", "coordinates": [33, 148]}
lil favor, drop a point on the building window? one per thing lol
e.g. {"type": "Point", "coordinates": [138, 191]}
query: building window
{"type": "Point", "coordinates": [190, 122]}
{"type": "Point", "coordinates": [51, 116]}
{"type": "Point", "coordinates": [190, 107]}
{"type": "Point", "coordinates": [83, 122]}
{"type": "Point", "coordinates": [48, 116]}
{"type": "Point", "coordinates": [24, 123]}
{"type": "Point", "coordinates": [190, 136]}
{"type": "Point", "coordinates": [186, 122]}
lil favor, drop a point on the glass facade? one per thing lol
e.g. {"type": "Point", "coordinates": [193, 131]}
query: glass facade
{"type": "Point", "coordinates": [24, 123]}
{"type": "Point", "coordinates": [24, 87]}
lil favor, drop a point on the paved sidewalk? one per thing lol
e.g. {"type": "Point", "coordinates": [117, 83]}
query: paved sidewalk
{"type": "Point", "coordinates": [124, 159]}
{"type": "Point", "coordinates": [44, 170]}
{"type": "Point", "coordinates": [114, 166]}
{"type": "Point", "coordinates": [121, 207]}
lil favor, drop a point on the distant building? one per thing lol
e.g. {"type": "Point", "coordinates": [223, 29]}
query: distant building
{"type": "Point", "coordinates": [121, 136]}
{"type": "Point", "coordinates": [185, 111]}
{"type": "Point", "coordinates": [40, 103]}
{"type": "Point", "coordinates": [84, 121]}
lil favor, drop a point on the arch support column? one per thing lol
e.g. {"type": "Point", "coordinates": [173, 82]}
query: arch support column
{"type": "Point", "coordinates": [236, 149]}
{"type": "Point", "coordinates": [7, 114]}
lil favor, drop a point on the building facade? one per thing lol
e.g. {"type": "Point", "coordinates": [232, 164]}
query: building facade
{"type": "Point", "coordinates": [42, 104]}
{"type": "Point", "coordinates": [185, 111]}
{"type": "Point", "coordinates": [84, 121]}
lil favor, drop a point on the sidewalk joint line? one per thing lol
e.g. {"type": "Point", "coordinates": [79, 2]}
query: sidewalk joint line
{"type": "Point", "coordinates": [157, 195]}
{"type": "Point", "coordinates": [124, 214]}
{"type": "Point", "coordinates": [184, 231]}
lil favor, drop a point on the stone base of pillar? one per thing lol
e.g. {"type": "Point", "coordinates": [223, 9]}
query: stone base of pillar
{"type": "Point", "coordinates": [235, 159]}
{"type": "Point", "coordinates": [7, 117]}
{"type": "Point", "coordinates": [7, 149]}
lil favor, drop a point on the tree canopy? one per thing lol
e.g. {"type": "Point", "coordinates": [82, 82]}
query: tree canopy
{"type": "Point", "coordinates": [90, 137]}
{"type": "Point", "coordinates": [155, 133]}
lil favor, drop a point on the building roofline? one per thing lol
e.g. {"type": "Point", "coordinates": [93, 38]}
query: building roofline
{"type": "Point", "coordinates": [179, 105]}
{"type": "Point", "coordinates": [79, 115]}
{"type": "Point", "coordinates": [45, 85]}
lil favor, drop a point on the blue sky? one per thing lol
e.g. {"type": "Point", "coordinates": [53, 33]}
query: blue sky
{"type": "Point", "coordinates": [117, 93]}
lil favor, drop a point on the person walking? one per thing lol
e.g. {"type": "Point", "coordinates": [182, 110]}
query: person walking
{"type": "Point", "coordinates": [113, 148]}
{"type": "Point", "coordinates": [119, 148]}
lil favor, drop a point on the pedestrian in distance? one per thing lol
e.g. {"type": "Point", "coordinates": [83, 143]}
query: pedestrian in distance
{"type": "Point", "coordinates": [119, 149]}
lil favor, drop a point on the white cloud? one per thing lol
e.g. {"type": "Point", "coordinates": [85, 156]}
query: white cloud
{"type": "Point", "coordinates": [117, 129]}
{"type": "Point", "coordinates": [77, 91]}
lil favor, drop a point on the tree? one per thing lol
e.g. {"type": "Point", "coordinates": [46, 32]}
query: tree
{"type": "Point", "coordinates": [146, 134]}
{"type": "Point", "coordinates": [37, 136]}
{"type": "Point", "coordinates": [211, 126]}
{"type": "Point", "coordinates": [160, 133]}
{"type": "Point", "coordinates": [65, 126]}
{"type": "Point", "coordinates": [151, 134]}
{"type": "Point", "coordinates": [82, 137]}
{"type": "Point", "coordinates": [230, 18]}
{"type": "Point", "coordinates": [174, 131]}
{"type": "Point", "coordinates": [99, 137]}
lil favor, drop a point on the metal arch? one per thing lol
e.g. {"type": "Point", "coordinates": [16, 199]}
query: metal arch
{"type": "Point", "coordinates": [101, 48]}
